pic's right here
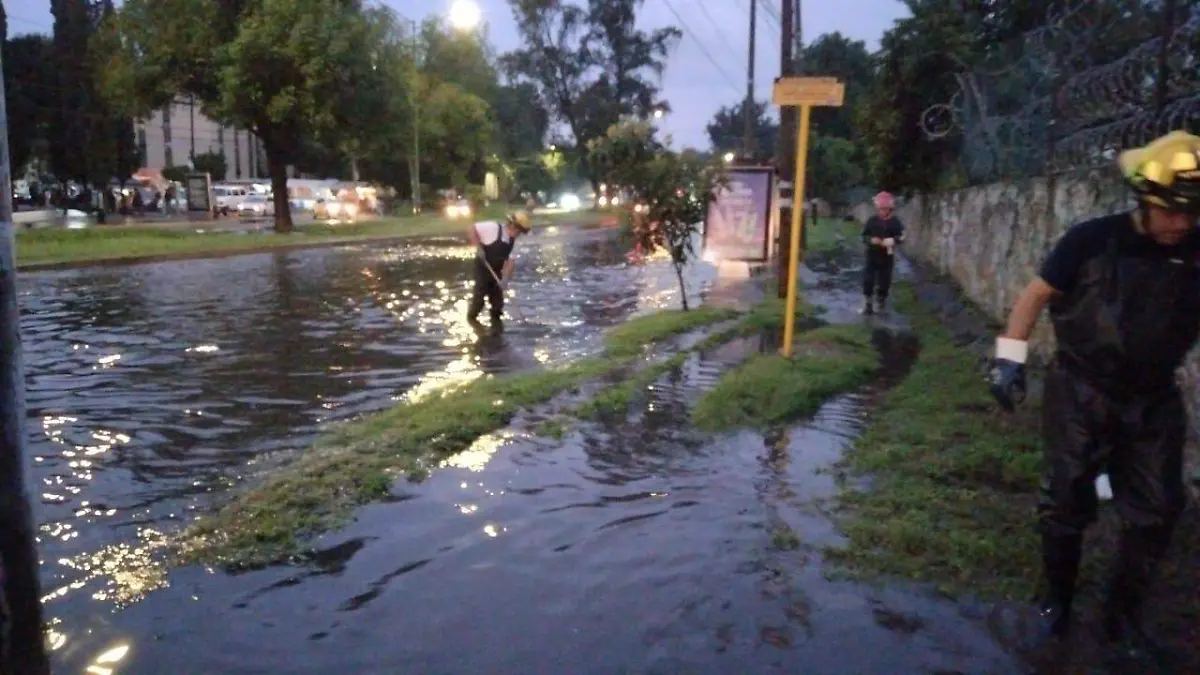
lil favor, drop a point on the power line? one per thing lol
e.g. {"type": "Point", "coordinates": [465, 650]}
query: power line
{"type": "Point", "coordinates": [703, 49]}
{"type": "Point", "coordinates": [720, 31]}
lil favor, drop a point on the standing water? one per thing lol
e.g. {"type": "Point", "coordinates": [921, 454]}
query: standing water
{"type": "Point", "coordinates": [630, 546]}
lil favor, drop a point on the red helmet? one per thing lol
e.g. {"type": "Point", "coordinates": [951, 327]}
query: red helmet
{"type": "Point", "coordinates": [885, 200]}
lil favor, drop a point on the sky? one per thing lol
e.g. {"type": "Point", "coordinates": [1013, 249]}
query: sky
{"type": "Point", "coordinates": [707, 69]}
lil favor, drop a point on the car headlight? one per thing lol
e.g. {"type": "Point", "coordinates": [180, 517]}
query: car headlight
{"type": "Point", "coordinates": [603, 201]}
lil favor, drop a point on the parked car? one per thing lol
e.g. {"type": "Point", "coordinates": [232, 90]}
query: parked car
{"type": "Point", "coordinates": [459, 208]}
{"type": "Point", "coordinates": [256, 206]}
{"type": "Point", "coordinates": [229, 198]}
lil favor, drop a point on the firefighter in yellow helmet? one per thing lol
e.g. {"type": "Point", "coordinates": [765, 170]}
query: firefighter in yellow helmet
{"type": "Point", "coordinates": [1124, 297]}
{"type": "Point", "coordinates": [493, 242]}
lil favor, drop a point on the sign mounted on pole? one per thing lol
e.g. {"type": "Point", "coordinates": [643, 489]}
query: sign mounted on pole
{"type": "Point", "coordinates": [822, 91]}
{"type": "Point", "coordinates": [804, 92]}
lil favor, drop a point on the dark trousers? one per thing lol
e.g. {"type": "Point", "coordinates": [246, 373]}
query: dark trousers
{"type": "Point", "coordinates": [877, 275]}
{"type": "Point", "coordinates": [1138, 440]}
{"type": "Point", "coordinates": [486, 288]}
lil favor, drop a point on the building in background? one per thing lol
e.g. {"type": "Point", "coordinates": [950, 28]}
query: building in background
{"type": "Point", "coordinates": [174, 134]}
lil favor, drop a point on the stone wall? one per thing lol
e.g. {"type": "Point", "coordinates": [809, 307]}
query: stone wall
{"type": "Point", "coordinates": [992, 239]}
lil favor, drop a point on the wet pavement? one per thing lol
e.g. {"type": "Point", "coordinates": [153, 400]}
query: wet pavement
{"type": "Point", "coordinates": [629, 546]}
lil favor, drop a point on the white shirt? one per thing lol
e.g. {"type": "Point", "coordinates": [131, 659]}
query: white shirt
{"type": "Point", "coordinates": [487, 230]}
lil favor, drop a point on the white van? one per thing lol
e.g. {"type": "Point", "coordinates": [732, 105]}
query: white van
{"type": "Point", "coordinates": [229, 197]}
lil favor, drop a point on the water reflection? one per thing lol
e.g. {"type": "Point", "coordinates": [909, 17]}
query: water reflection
{"type": "Point", "coordinates": [153, 389]}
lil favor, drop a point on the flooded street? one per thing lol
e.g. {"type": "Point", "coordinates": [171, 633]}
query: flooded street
{"type": "Point", "coordinates": [629, 546]}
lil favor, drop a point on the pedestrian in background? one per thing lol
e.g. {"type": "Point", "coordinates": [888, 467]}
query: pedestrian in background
{"type": "Point", "coordinates": [881, 234]}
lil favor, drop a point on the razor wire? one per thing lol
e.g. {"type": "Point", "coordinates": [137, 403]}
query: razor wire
{"type": "Point", "coordinates": [1093, 79]}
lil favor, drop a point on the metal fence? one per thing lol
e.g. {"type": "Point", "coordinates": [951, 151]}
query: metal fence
{"type": "Point", "coordinates": [1071, 94]}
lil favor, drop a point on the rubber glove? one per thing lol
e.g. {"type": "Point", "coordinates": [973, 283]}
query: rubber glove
{"type": "Point", "coordinates": [1007, 372]}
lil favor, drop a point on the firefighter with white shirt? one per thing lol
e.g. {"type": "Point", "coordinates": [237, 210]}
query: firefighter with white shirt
{"type": "Point", "coordinates": [493, 242]}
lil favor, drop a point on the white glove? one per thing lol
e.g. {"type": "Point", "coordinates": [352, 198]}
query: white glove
{"type": "Point", "coordinates": [889, 242]}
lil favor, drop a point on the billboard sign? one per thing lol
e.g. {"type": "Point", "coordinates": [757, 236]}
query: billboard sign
{"type": "Point", "coordinates": [738, 225]}
{"type": "Point", "coordinates": [199, 192]}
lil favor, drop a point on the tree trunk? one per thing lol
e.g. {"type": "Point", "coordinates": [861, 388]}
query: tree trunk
{"type": "Point", "coordinates": [682, 287]}
{"type": "Point", "coordinates": [277, 168]}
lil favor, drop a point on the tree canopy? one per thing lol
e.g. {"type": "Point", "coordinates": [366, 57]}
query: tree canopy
{"type": "Point", "coordinates": [590, 64]}
{"type": "Point", "coordinates": [287, 70]}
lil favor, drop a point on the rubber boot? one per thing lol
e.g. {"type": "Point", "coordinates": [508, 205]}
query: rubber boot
{"type": "Point", "coordinates": [868, 307]}
{"type": "Point", "coordinates": [497, 323]}
{"type": "Point", "coordinates": [881, 305]}
{"type": "Point", "coordinates": [1139, 552]}
{"type": "Point", "coordinates": [1039, 634]}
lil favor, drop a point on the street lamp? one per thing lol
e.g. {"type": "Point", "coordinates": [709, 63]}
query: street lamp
{"type": "Point", "coordinates": [728, 157]}
{"type": "Point", "coordinates": [465, 14]}
{"type": "Point", "coordinates": [658, 113]}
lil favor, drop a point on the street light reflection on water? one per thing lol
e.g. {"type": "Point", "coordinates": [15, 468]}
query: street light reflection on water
{"type": "Point", "coordinates": [126, 448]}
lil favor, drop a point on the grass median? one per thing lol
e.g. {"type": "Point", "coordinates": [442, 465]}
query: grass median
{"type": "Point", "coordinates": [52, 246]}
{"type": "Point", "coordinates": [770, 389]}
{"type": "Point", "coordinates": [357, 463]}
{"type": "Point", "coordinates": [952, 480]}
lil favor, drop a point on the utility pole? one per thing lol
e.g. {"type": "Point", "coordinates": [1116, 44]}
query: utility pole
{"type": "Point", "coordinates": [786, 152]}
{"type": "Point", "coordinates": [192, 125]}
{"type": "Point", "coordinates": [414, 98]}
{"type": "Point", "coordinates": [748, 145]}
{"type": "Point", "coordinates": [22, 645]}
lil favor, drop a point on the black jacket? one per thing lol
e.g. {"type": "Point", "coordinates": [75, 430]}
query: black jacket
{"type": "Point", "coordinates": [1132, 312]}
{"type": "Point", "coordinates": [891, 228]}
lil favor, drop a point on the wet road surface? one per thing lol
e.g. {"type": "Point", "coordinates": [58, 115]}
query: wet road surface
{"type": "Point", "coordinates": [630, 546]}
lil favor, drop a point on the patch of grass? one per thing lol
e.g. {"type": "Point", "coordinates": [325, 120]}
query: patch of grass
{"type": "Point", "coordinates": [953, 479]}
{"type": "Point", "coordinates": [785, 538]}
{"type": "Point", "coordinates": [828, 234]}
{"type": "Point", "coordinates": [554, 427]}
{"type": "Point", "coordinates": [768, 315]}
{"type": "Point", "coordinates": [632, 336]}
{"type": "Point", "coordinates": [770, 389]}
{"type": "Point", "coordinates": [118, 242]}
{"type": "Point", "coordinates": [615, 400]}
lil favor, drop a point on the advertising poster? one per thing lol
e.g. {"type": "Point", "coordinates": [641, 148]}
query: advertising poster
{"type": "Point", "coordinates": [199, 192]}
{"type": "Point", "coordinates": [738, 224]}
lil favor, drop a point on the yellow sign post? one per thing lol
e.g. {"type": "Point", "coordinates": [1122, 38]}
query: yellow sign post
{"type": "Point", "coordinates": [805, 92]}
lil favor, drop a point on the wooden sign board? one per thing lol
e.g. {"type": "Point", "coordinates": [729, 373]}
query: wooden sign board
{"type": "Point", "coordinates": [822, 91]}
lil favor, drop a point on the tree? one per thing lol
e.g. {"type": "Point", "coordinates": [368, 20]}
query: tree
{"type": "Point", "coordinates": [455, 134]}
{"type": "Point", "coordinates": [27, 69]}
{"type": "Point", "coordinates": [832, 169]}
{"type": "Point", "coordinates": [625, 58]}
{"type": "Point", "coordinates": [727, 129]}
{"type": "Point", "coordinates": [287, 70]}
{"type": "Point", "coordinates": [917, 62]}
{"type": "Point", "coordinates": [590, 67]}
{"type": "Point", "coordinates": [70, 129]}
{"type": "Point", "coordinates": [212, 163]}
{"type": "Point", "coordinates": [177, 174]}
{"type": "Point", "coordinates": [520, 121]}
{"type": "Point", "coordinates": [835, 55]}
{"type": "Point", "coordinates": [676, 188]}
